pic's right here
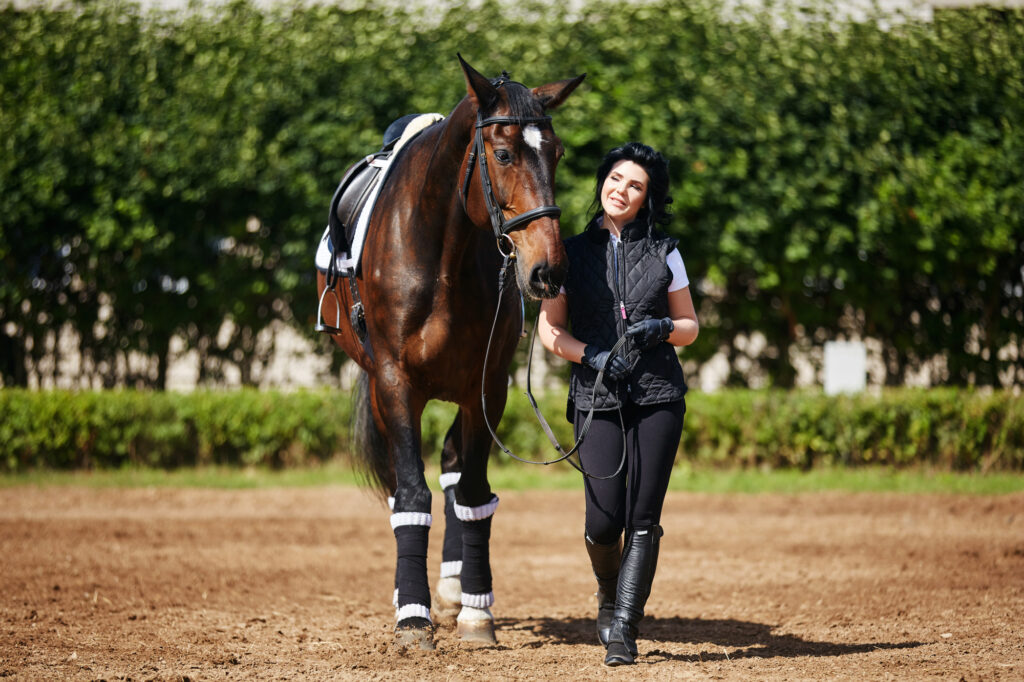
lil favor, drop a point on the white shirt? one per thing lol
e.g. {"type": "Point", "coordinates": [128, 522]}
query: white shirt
{"type": "Point", "coordinates": [674, 260]}
{"type": "Point", "coordinates": [675, 264]}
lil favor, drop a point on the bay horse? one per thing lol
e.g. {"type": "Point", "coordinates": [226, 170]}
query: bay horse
{"type": "Point", "coordinates": [467, 195]}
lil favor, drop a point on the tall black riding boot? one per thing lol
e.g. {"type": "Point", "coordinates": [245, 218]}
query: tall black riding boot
{"type": "Point", "coordinates": [605, 560]}
{"type": "Point", "coordinates": [639, 560]}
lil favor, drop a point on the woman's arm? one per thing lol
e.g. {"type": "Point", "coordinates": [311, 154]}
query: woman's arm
{"type": "Point", "coordinates": [553, 332]}
{"type": "Point", "coordinates": [684, 317]}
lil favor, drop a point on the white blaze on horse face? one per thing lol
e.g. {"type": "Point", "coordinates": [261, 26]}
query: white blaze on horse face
{"type": "Point", "coordinates": [531, 134]}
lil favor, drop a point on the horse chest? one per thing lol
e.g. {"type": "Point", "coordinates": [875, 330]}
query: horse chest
{"type": "Point", "coordinates": [450, 331]}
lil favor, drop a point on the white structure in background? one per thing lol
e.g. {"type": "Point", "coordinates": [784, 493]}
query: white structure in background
{"type": "Point", "coordinates": [846, 367]}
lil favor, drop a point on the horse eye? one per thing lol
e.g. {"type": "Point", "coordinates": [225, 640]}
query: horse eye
{"type": "Point", "coordinates": [502, 155]}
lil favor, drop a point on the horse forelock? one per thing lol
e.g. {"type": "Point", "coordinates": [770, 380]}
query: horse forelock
{"type": "Point", "coordinates": [521, 101]}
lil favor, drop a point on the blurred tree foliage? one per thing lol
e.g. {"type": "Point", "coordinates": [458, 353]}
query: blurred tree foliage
{"type": "Point", "coordinates": [162, 172]}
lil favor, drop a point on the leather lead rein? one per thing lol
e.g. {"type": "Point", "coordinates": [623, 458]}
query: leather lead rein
{"type": "Point", "coordinates": [501, 227]}
{"type": "Point", "coordinates": [566, 454]}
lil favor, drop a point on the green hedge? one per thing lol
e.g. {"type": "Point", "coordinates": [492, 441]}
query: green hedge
{"type": "Point", "coordinates": [66, 430]}
{"type": "Point", "coordinates": [830, 178]}
{"type": "Point", "coordinates": [946, 428]}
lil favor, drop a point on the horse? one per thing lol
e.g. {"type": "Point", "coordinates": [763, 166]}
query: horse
{"type": "Point", "coordinates": [468, 196]}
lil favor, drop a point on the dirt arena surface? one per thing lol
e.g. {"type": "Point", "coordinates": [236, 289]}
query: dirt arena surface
{"type": "Point", "coordinates": [172, 584]}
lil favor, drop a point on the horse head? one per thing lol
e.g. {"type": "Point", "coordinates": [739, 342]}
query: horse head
{"type": "Point", "coordinates": [517, 151]}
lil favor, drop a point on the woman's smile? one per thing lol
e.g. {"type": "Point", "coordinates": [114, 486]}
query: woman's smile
{"type": "Point", "coordinates": [623, 194]}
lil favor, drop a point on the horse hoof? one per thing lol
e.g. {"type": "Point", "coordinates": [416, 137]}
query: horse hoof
{"type": "Point", "coordinates": [476, 625]}
{"type": "Point", "coordinates": [448, 598]}
{"type": "Point", "coordinates": [415, 633]}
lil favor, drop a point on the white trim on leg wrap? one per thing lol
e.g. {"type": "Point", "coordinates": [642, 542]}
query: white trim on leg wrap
{"type": "Point", "coordinates": [478, 601]}
{"type": "Point", "coordinates": [413, 611]}
{"type": "Point", "coordinates": [410, 519]}
{"type": "Point", "coordinates": [449, 479]}
{"type": "Point", "coordinates": [451, 569]}
{"type": "Point", "coordinates": [476, 513]}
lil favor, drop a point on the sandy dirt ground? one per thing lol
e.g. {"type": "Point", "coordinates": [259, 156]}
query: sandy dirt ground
{"type": "Point", "coordinates": [170, 584]}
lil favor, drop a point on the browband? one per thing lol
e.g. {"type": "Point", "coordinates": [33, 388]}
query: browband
{"type": "Point", "coordinates": [511, 120]}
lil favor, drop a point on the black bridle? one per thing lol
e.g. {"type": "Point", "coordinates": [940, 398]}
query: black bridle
{"type": "Point", "coordinates": [501, 227]}
{"type": "Point", "coordinates": [478, 156]}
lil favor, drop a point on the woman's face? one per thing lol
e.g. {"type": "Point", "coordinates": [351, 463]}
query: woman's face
{"type": "Point", "coordinates": [624, 192]}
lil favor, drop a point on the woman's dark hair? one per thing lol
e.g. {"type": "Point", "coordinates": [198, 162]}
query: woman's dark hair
{"type": "Point", "coordinates": [655, 209]}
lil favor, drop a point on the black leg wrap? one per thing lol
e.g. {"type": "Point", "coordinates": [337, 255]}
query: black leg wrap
{"type": "Point", "coordinates": [605, 560]}
{"type": "Point", "coordinates": [476, 556]}
{"type": "Point", "coordinates": [452, 549]}
{"type": "Point", "coordinates": [639, 561]}
{"type": "Point", "coordinates": [411, 575]}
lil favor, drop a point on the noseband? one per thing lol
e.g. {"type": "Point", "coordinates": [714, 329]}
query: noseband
{"type": "Point", "coordinates": [478, 155]}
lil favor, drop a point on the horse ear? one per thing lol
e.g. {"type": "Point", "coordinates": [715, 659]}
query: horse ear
{"type": "Point", "coordinates": [481, 92]}
{"type": "Point", "coordinates": [553, 94]}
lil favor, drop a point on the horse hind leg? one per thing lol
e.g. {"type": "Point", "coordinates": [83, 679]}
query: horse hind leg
{"type": "Point", "coordinates": [448, 593]}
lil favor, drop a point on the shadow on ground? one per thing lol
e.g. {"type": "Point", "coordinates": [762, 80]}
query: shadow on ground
{"type": "Point", "coordinates": [731, 639]}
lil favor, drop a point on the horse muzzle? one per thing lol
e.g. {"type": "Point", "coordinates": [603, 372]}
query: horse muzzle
{"type": "Point", "coordinates": [544, 280]}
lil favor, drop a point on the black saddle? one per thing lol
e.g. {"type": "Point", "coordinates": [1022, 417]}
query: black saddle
{"type": "Point", "coordinates": [356, 186]}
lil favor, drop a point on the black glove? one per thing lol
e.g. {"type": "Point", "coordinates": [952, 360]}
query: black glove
{"type": "Point", "coordinates": [649, 333]}
{"type": "Point", "coordinates": [614, 366]}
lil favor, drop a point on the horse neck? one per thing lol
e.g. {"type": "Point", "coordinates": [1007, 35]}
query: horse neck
{"type": "Point", "coordinates": [455, 232]}
{"type": "Point", "coordinates": [450, 151]}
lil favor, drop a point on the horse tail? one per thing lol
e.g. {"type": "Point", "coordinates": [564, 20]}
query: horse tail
{"type": "Point", "coordinates": [369, 448]}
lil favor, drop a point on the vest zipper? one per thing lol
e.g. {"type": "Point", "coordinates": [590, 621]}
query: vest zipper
{"type": "Point", "coordinates": [620, 292]}
{"type": "Point", "coordinates": [620, 284]}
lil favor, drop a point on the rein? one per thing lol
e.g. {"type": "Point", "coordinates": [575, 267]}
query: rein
{"type": "Point", "coordinates": [501, 228]}
{"type": "Point", "coordinates": [533, 402]}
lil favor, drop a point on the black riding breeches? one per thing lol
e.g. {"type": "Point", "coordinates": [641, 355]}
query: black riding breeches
{"type": "Point", "coordinates": [634, 497]}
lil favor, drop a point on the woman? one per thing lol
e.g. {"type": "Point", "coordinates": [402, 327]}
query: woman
{"type": "Point", "coordinates": [625, 277]}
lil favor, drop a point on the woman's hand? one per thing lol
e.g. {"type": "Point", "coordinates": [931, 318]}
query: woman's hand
{"type": "Point", "coordinates": [614, 366]}
{"type": "Point", "coordinates": [649, 333]}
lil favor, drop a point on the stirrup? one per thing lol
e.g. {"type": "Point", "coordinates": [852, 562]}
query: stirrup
{"type": "Point", "coordinates": [326, 328]}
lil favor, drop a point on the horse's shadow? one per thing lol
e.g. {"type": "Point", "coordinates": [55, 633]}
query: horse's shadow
{"type": "Point", "coordinates": [727, 639]}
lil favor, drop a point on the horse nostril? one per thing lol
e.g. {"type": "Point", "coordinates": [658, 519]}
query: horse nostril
{"type": "Point", "coordinates": [538, 276]}
{"type": "Point", "coordinates": [544, 278]}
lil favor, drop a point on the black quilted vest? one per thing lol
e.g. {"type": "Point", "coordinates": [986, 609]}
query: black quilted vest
{"type": "Point", "coordinates": [596, 299]}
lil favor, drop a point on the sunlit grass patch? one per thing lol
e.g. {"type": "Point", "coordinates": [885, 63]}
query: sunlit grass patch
{"type": "Point", "coordinates": [517, 476]}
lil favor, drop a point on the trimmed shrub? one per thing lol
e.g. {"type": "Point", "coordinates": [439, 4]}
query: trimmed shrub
{"type": "Point", "coordinates": [948, 429]}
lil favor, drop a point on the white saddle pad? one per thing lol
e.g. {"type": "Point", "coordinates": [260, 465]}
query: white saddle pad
{"type": "Point", "coordinates": [348, 262]}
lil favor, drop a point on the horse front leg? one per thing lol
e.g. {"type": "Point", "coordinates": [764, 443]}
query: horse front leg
{"type": "Point", "coordinates": [448, 595]}
{"type": "Point", "coordinates": [410, 518]}
{"type": "Point", "coordinates": [475, 505]}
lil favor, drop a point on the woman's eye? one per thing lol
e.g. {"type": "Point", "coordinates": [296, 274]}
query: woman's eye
{"type": "Point", "coordinates": [502, 155]}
